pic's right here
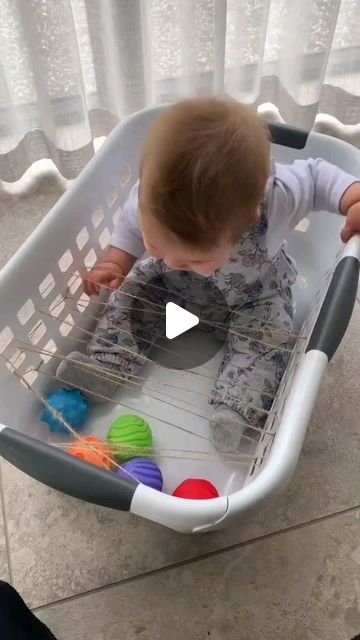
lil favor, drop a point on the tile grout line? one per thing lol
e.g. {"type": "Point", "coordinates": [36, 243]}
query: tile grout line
{"type": "Point", "coordinates": [205, 556]}
{"type": "Point", "coordinates": [6, 530]}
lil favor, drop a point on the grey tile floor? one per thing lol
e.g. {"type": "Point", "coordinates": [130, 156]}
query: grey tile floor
{"type": "Point", "coordinates": [290, 572]}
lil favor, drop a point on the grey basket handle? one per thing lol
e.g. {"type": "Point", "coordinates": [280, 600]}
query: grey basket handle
{"type": "Point", "coordinates": [337, 308]}
{"type": "Point", "coordinates": [64, 472]}
{"type": "Point", "coordinates": [287, 136]}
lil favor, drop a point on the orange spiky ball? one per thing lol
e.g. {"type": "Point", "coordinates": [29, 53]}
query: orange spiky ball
{"type": "Point", "coordinates": [93, 450]}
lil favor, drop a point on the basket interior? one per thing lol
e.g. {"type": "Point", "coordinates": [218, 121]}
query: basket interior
{"type": "Point", "coordinates": [34, 315]}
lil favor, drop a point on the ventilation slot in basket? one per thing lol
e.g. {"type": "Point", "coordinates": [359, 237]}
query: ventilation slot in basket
{"type": "Point", "coordinates": [74, 283]}
{"type": "Point", "coordinates": [82, 238]}
{"type": "Point", "coordinates": [29, 378]}
{"type": "Point", "coordinates": [15, 361]}
{"type": "Point", "coordinates": [97, 217]}
{"type": "Point", "coordinates": [65, 261]}
{"type": "Point", "coordinates": [90, 259]}
{"type": "Point", "coordinates": [125, 176]}
{"type": "Point", "coordinates": [104, 238]}
{"type": "Point", "coordinates": [57, 306]}
{"type": "Point", "coordinates": [37, 332]}
{"type": "Point", "coordinates": [82, 302]}
{"type": "Point", "coordinates": [253, 468]}
{"type": "Point", "coordinates": [303, 225]}
{"type": "Point", "coordinates": [111, 198]}
{"type": "Point", "coordinates": [6, 336]}
{"type": "Point", "coordinates": [48, 350]}
{"type": "Point", "coordinates": [67, 325]}
{"type": "Point", "coordinates": [261, 460]}
{"type": "Point", "coordinates": [26, 312]}
{"type": "Point", "coordinates": [47, 285]}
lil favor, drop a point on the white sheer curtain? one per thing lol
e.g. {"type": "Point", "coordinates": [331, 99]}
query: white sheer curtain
{"type": "Point", "coordinates": [69, 69]}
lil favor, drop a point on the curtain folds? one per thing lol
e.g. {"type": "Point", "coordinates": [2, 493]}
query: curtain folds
{"type": "Point", "coordinates": [70, 69]}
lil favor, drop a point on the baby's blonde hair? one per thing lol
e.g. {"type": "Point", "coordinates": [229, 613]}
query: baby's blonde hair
{"type": "Point", "coordinates": [204, 168]}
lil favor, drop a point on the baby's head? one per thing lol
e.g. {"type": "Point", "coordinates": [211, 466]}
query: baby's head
{"type": "Point", "coordinates": [202, 179]}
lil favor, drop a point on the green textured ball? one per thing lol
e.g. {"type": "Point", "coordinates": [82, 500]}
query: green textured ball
{"type": "Point", "coordinates": [129, 430]}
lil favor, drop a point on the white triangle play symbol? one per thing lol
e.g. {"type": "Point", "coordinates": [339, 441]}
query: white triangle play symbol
{"type": "Point", "coordinates": [178, 320]}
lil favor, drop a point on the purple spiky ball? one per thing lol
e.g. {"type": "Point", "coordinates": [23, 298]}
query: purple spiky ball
{"type": "Point", "coordinates": [144, 470]}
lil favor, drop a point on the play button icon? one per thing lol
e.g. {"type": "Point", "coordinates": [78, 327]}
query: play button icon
{"type": "Point", "coordinates": [178, 320]}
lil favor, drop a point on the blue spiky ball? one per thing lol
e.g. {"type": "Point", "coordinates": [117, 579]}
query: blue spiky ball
{"type": "Point", "coordinates": [73, 407]}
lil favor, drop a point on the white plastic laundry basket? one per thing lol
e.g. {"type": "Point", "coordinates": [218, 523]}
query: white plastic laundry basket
{"type": "Point", "coordinates": [33, 312]}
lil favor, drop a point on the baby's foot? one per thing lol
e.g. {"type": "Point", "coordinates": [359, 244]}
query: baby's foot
{"type": "Point", "coordinates": [92, 378]}
{"type": "Point", "coordinates": [227, 428]}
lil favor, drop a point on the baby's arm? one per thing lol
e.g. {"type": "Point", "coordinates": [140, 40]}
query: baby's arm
{"type": "Point", "coordinates": [125, 247]}
{"type": "Point", "coordinates": [310, 185]}
{"type": "Point", "coordinates": [305, 186]}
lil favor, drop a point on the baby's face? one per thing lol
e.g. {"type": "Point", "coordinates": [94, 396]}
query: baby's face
{"type": "Point", "coordinates": [164, 245]}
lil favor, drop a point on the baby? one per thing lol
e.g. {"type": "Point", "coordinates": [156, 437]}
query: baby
{"type": "Point", "coordinates": [210, 201]}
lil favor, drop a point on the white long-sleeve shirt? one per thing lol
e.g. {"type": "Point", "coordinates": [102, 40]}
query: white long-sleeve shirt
{"type": "Point", "coordinates": [294, 191]}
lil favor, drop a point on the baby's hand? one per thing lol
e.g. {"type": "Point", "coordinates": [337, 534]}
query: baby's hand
{"type": "Point", "coordinates": [350, 207]}
{"type": "Point", "coordinates": [108, 274]}
{"type": "Point", "coordinates": [352, 224]}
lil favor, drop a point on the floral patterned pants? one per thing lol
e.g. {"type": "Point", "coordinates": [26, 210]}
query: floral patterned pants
{"type": "Point", "coordinates": [259, 316]}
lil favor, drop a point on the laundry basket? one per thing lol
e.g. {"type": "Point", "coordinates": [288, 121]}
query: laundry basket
{"type": "Point", "coordinates": [34, 311]}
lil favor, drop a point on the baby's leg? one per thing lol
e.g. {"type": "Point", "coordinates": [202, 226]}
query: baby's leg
{"type": "Point", "coordinates": [114, 357]}
{"type": "Point", "coordinates": [257, 353]}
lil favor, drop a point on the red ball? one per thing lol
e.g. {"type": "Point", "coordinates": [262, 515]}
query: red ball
{"type": "Point", "coordinates": [196, 489]}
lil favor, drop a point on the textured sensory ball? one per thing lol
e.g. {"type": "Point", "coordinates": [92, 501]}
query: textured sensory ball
{"type": "Point", "coordinates": [196, 489]}
{"type": "Point", "coordinates": [144, 471]}
{"type": "Point", "coordinates": [97, 453]}
{"type": "Point", "coordinates": [129, 430]}
{"type": "Point", "coordinates": [72, 405]}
